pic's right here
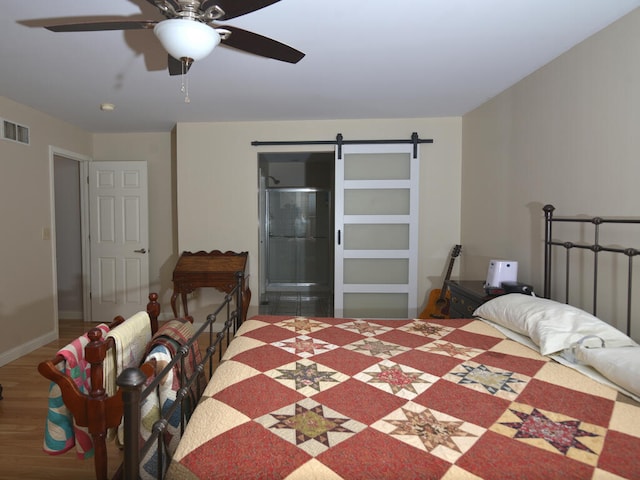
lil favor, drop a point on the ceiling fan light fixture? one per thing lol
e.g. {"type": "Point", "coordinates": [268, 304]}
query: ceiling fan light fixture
{"type": "Point", "coordinates": [183, 38]}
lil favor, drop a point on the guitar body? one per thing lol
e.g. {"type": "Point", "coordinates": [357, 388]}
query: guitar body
{"type": "Point", "coordinates": [437, 307]}
{"type": "Point", "coordinates": [440, 298]}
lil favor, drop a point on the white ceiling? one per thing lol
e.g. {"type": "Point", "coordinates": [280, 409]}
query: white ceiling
{"type": "Point", "coordinates": [364, 59]}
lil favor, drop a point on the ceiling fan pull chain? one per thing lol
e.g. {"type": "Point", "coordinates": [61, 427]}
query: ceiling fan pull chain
{"type": "Point", "coordinates": [185, 83]}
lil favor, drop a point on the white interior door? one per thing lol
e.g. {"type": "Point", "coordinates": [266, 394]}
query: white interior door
{"type": "Point", "coordinates": [376, 231]}
{"type": "Point", "coordinates": [119, 239]}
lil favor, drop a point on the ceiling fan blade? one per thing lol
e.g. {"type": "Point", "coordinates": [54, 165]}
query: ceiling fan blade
{"type": "Point", "coordinates": [235, 8]}
{"type": "Point", "coordinates": [176, 66]}
{"type": "Point", "coordinates": [103, 26]}
{"type": "Point", "coordinates": [259, 45]}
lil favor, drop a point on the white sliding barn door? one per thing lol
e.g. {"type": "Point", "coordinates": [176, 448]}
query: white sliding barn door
{"type": "Point", "coordinates": [376, 231]}
{"type": "Point", "coordinates": [119, 239]}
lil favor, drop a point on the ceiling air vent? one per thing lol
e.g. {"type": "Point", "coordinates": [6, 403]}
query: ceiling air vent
{"type": "Point", "coordinates": [13, 131]}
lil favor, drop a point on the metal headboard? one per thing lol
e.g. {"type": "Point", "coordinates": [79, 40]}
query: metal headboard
{"type": "Point", "coordinates": [595, 247]}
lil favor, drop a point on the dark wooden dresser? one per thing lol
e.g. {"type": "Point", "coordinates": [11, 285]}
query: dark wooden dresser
{"type": "Point", "coordinates": [466, 296]}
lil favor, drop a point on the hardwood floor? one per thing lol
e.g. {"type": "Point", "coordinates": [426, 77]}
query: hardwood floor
{"type": "Point", "coordinates": [23, 412]}
{"type": "Point", "coordinates": [22, 419]}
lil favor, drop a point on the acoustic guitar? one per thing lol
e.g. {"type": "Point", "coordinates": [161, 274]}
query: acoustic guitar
{"type": "Point", "coordinates": [439, 298]}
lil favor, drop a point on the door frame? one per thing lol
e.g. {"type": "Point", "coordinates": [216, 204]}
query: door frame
{"type": "Point", "coordinates": [84, 228]}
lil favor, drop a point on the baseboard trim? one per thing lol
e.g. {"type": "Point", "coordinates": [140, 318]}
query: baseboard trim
{"type": "Point", "coordinates": [28, 347]}
{"type": "Point", "coordinates": [70, 315]}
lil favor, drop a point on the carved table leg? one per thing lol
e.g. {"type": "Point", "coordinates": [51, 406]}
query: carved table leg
{"type": "Point", "coordinates": [173, 304]}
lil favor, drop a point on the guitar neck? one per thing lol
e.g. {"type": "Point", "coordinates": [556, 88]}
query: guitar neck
{"type": "Point", "coordinates": [443, 290]}
{"type": "Point", "coordinates": [447, 277]}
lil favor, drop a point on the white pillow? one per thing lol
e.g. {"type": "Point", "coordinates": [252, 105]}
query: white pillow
{"type": "Point", "coordinates": [620, 365]}
{"type": "Point", "coordinates": [553, 326]}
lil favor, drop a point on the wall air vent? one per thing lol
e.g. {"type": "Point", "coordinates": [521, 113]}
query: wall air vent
{"type": "Point", "coordinates": [13, 131]}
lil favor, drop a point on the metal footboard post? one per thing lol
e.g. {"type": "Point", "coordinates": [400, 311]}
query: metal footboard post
{"type": "Point", "coordinates": [131, 382]}
{"type": "Point", "coordinates": [629, 252]}
{"type": "Point", "coordinates": [239, 299]}
{"type": "Point", "coordinates": [596, 249]}
{"type": "Point", "coordinates": [548, 215]}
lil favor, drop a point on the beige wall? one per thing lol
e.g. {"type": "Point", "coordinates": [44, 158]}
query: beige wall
{"type": "Point", "coordinates": [217, 166]}
{"type": "Point", "coordinates": [565, 135]}
{"type": "Point", "coordinates": [27, 300]}
{"type": "Point", "coordinates": [27, 274]}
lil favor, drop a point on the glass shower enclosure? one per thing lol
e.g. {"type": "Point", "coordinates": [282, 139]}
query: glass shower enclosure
{"type": "Point", "coordinates": [298, 236]}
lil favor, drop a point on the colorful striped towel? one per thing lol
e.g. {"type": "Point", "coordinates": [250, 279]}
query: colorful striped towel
{"type": "Point", "coordinates": [61, 433]}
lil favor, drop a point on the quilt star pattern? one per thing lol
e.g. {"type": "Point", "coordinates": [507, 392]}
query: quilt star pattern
{"type": "Point", "coordinates": [302, 398]}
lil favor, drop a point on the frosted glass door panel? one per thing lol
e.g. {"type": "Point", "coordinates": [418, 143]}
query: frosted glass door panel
{"type": "Point", "coordinates": [376, 305]}
{"type": "Point", "coordinates": [376, 231]}
{"type": "Point", "coordinates": [376, 270]}
{"type": "Point", "coordinates": [377, 201]}
{"type": "Point", "coordinates": [374, 166]}
{"type": "Point", "coordinates": [376, 237]}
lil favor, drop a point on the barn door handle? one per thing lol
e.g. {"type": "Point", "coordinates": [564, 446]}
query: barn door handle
{"type": "Point", "coordinates": [142, 250]}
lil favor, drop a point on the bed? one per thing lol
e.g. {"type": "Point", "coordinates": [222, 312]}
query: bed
{"type": "Point", "coordinates": [525, 390]}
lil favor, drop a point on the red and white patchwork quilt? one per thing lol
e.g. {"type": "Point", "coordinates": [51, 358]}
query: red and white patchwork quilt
{"type": "Point", "coordinates": [324, 398]}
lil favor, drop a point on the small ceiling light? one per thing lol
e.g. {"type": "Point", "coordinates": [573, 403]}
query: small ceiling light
{"type": "Point", "coordinates": [107, 107]}
{"type": "Point", "coordinates": [186, 39]}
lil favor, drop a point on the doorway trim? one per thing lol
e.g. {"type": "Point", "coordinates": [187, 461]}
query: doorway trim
{"type": "Point", "coordinates": [84, 228]}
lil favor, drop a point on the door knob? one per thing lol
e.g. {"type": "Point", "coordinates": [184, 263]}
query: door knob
{"type": "Point", "coordinates": [142, 250]}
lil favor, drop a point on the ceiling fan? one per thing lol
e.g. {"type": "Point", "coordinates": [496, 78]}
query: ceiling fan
{"type": "Point", "coordinates": [188, 32]}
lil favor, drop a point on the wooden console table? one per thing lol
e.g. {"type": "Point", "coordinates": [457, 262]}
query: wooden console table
{"type": "Point", "coordinates": [214, 269]}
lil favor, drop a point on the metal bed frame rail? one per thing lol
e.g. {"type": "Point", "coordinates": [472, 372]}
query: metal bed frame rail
{"type": "Point", "coordinates": [596, 247]}
{"type": "Point", "coordinates": [132, 381]}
